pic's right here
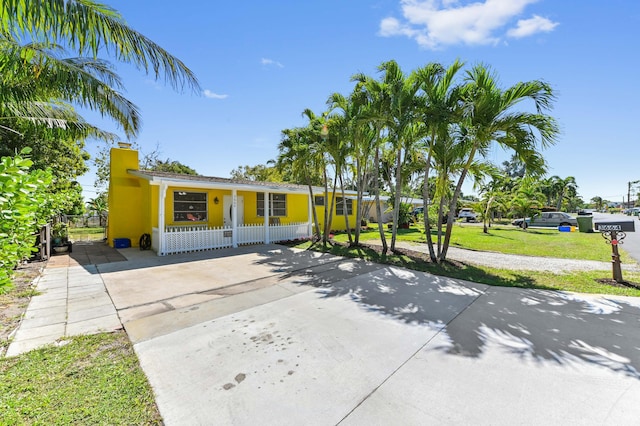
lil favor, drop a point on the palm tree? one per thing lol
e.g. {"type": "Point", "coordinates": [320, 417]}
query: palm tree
{"type": "Point", "coordinates": [597, 202]}
{"type": "Point", "coordinates": [375, 116]}
{"type": "Point", "coordinates": [39, 85]}
{"type": "Point", "coordinates": [99, 207]}
{"type": "Point", "coordinates": [299, 153]}
{"type": "Point", "coordinates": [404, 130]}
{"type": "Point", "coordinates": [438, 110]}
{"type": "Point", "coordinates": [567, 187]}
{"type": "Point", "coordinates": [359, 139]}
{"type": "Point", "coordinates": [490, 116]}
{"type": "Point", "coordinates": [527, 199]}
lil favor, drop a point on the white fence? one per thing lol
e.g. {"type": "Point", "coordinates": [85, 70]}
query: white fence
{"type": "Point", "coordinates": [182, 239]}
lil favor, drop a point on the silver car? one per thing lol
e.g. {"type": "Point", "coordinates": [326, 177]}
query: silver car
{"type": "Point", "coordinates": [548, 219]}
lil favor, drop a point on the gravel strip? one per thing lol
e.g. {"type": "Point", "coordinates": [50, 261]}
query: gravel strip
{"type": "Point", "coordinates": [518, 262]}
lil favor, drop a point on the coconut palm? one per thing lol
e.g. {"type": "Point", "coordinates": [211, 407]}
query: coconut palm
{"type": "Point", "coordinates": [38, 84]}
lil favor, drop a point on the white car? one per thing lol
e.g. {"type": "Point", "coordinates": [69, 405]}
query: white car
{"type": "Point", "coordinates": [468, 214]}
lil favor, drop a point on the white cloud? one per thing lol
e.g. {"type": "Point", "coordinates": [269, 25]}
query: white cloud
{"type": "Point", "coordinates": [438, 23]}
{"type": "Point", "coordinates": [266, 61]}
{"type": "Point", "coordinates": [211, 95]}
{"type": "Point", "coordinates": [527, 27]}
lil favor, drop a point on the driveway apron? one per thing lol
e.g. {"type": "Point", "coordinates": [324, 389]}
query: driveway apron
{"type": "Point", "coordinates": [271, 335]}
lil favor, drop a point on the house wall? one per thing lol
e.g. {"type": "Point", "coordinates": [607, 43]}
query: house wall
{"type": "Point", "coordinates": [215, 216]}
{"type": "Point", "coordinates": [338, 222]}
{"type": "Point", "coordinates": [126, 198]}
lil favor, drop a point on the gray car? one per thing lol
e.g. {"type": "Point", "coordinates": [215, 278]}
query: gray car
{"type": "Point", "coordinates": [548, 219]}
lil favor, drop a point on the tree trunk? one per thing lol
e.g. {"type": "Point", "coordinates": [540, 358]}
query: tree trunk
{"type": "Point", "coordinates": [454, 201]}
{"type": "Point", "coordinates": [396, 200]}
{"type": "Point", "coordinates": [325, 234]}
{"type": "Point", "coordinates": [383, 240]}
{"type": "Point", "coordinates": [313, 210]}
{"type": "Point", "coordinates": [345, 211]}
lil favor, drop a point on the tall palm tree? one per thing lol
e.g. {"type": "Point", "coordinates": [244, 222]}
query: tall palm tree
{"type": "Point", "coordinates": [491, 115]}
{"type": "Point", "coordinates": [404, 130]}
{"type": "Point", "coordinates": [439, 110]}
{"type": "Point", "coordinates": [376, 117]}
{"type": "Point", "coordinates": [301, 153]}
{"type": "Point", "coordinates": [358, 139]}
{"type": "Point", "coordinates": [568, 187]}
{"type": "Point", "coordinates": [40, 86]}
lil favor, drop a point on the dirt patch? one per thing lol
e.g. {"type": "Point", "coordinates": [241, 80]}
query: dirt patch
{"type": "Point", "coordinates": [14, 301]}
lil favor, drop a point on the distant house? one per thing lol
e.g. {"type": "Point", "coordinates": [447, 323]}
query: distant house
{"type": "Point", "coordinates": [371, 212]}
{"type": "Point", "coordinates": [183, 213]}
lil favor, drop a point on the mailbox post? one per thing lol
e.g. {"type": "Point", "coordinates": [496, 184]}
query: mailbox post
{"type": "Point", "coordinates": [614, 233]}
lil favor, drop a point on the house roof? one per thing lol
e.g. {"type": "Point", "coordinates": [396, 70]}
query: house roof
{"type": "Point", "coordinates": [214, 182]}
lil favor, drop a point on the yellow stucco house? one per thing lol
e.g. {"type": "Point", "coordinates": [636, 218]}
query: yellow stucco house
{"type": "Point", "coordinates": [183, 213]}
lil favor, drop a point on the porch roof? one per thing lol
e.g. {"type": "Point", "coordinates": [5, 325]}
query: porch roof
{"type": "Point", "coordinates": [212, 182]}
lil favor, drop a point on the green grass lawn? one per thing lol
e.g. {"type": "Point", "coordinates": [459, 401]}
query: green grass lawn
{"type": "Point", "coordinates": [512, 240]}
{"type": "Point", "coordinates": [91, 380]}
{"type": "Point", "coordinates": [86, 234]}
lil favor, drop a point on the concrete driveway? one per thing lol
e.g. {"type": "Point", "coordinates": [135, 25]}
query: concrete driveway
{"type": "Point", "coordinates": [270, 335]}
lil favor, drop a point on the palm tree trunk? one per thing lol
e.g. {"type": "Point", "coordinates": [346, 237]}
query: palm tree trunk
{"type": "Point", "coordinates": [383, 240]}
{"type": "Point", "coordinates": [325, 233]}
{"type": "Point", "coordinates": [345, 211]}
{"type": "Point", "coordinates": [454, 201]}
{"type": "Point", "coordinates": [313, 210]}
{"type": "Point", "coordinates": [485, 220]}
{"type": "Point", "coordinates": [396, 201]}
{"type": "Point", "coordinates": [426, 195]}
{"type": "Point", "coordinates": [359, 191]}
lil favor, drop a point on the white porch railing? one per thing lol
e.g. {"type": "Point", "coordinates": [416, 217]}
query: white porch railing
{"type": "Point", "coordinates": [182, 239]}
{"type": "Point", "coordinates": [288, 232]}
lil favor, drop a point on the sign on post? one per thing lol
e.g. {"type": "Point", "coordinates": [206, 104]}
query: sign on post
{"type": "Point", "coordinates": [614, 232]}
{"type": "Point", "coordinates": [618, 226]}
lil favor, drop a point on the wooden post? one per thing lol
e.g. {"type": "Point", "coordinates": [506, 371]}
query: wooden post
{"type": "Point", "coordinates": [615, 258]}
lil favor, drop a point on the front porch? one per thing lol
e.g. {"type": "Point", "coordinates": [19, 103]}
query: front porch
{"type": "Point", "coordinates": [190, 238]}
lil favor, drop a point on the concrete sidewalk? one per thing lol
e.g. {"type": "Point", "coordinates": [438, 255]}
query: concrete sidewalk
{"type": "Point", "coordinates": [72, 300]}
{"type": "Point", "coordinates": [271, 335]}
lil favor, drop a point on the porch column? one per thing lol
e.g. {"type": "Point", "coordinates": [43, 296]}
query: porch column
{"type": "Point", "coordinates": [267, 213]}
{"type": "Point", "coordinates": [234, 218]}
{"type": "Point", "coordinates": [162, 195]}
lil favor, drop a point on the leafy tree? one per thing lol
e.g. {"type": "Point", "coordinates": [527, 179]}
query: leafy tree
{"type": "Point", "coordinates": [65, 157]}
{"type": "Point", "coordinates": [258, 173]}
{"type": "Point", "coordinates": [149, 161]}
{"type": "Point", "coordinates": [25, 205]}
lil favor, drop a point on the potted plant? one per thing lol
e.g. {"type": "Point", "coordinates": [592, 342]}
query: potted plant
{"type": "Point", "coordinates": [60, 237]}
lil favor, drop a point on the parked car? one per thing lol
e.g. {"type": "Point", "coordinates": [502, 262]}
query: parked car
{"type": "Point", "coordinates": [585, 212]}
{"type": "Point", "coordinates": [548, 219]}
{"type": "Point", "coordinates": [468, 214]}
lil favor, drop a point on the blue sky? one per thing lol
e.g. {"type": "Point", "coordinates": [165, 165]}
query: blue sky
{"type": "Point", "coordinates": [260, 64]}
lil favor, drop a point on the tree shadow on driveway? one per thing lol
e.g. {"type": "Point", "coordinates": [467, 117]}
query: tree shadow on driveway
{"type": "Point", "coordinates": [537, 324]}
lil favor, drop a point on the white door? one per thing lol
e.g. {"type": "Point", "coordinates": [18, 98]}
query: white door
{"type": "Point", "coordinates": [227, 205]}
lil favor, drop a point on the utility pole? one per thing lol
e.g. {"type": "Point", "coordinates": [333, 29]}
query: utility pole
{"type": "Point", "coordinates": [629, 192]}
